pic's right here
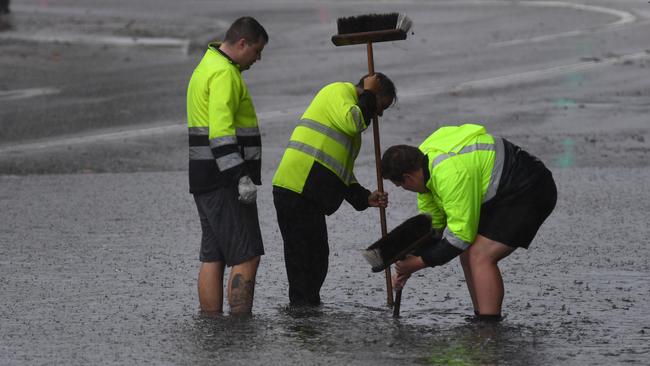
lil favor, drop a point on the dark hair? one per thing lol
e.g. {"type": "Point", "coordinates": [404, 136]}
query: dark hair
{"type": "Point", "coordinates": [247, 28]}
{"type": "Point", "coordinates": [386, 86]}
{"type": "Point", "coordinates": [399, 160]}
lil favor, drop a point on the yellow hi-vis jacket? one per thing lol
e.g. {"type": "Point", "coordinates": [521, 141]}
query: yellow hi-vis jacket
{"type": "Point", "coordinates": [465, 165]}
{"type": "Point", "coordinates": [224, 138]}
{"type": "Point", "coordinates": [319, 159]}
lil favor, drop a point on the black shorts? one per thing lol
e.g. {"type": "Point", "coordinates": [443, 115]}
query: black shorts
{"type": "Point", "coordinates": [514, 220]}
{"type": "Point", "coordinates": [231, 229]}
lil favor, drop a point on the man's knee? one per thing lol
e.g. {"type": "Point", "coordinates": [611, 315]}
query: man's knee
{"type": "Point", "coordinates": [486, 251]}
{"type": "Point", "coordinates": [478, 257]}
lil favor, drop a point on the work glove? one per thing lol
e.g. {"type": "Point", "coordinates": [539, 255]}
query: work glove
{"type": "Point", "coordinates": [247, 190]}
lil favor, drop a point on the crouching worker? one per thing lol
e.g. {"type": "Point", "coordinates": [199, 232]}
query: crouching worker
{"type": "Point", "coordinates": [486, 195]}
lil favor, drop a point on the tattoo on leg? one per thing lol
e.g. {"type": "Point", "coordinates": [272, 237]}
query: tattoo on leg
{"type": "Point", "coordinates": [236, 280]}
{"type": "Point", "coordinates": [241, 295]}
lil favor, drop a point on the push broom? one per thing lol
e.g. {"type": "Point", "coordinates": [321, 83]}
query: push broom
{"type": "Point", "coordinates": [404, 239]}
{"type": "Point", "coordinates": [369, 29]}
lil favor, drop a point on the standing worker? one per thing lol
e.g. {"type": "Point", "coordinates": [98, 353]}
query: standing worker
{"type": "Point", "coordinates": [486, 195]}
{"type": "Point", "coordinates": [224, 167]}
{"type": "Point", "coordinates": [316, 174]}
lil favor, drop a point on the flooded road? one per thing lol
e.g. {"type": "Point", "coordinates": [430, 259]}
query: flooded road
{"type": "Point", "coordinates": [99, 237]}
{"type": "Point", "coordinates": [121, 289]}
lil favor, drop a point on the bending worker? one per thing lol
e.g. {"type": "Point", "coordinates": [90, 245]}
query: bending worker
{"type": "Point", "coordinates": [225, 152]}
{"type": "Point", "coordinates": [316, 174]}
{"type": "Point", "coordinates": [485, 194]}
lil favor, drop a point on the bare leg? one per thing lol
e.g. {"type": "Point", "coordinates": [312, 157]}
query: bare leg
{"type": "Point", "coordinates": [483, 256]}
{"type": "Point", "coordinates": [464, 261]}
{"type": "Point", "coordinates": [241, 286]}
{"type": "Point", "coordinates": [210, 287]}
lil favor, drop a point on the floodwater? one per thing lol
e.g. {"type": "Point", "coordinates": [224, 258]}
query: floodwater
{"type": "Point", "coordinates": [99, 237]}
{"type": "Point", "coordinates": [121, 289]}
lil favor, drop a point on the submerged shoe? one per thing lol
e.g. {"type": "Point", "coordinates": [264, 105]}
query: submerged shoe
{"type": "Point", "coordinates": [484, 318]}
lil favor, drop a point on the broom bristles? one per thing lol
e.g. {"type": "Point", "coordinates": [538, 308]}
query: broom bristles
{"type": "Point", "coordinates": [399, 242]}
{"type": "Point", "coordinates": [373, 257]}
{"type": "Point", "coordinates": [404, 23]}
{"type": "Point", "coordinates": [373, 22]}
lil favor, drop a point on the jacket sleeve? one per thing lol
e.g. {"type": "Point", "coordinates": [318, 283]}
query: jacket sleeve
{"type": "Point", "coordinates": [352, 121]}
{"type": "Point", "coordinates": [437, 252]}
{"type": "Point", "coordinates": [427, 205]}
{"type": "Point", "coordinates": [224, 97]}
{"type": "Point", "coordinates": [368, 105]}
{"type": "Point", "coordinates": [460, 192]}
{"type": "Point", "coordinates": [357, 196]}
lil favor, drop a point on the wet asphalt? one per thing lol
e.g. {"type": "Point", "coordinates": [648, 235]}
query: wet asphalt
{"type": "Point", "coordinates": [99, 237]}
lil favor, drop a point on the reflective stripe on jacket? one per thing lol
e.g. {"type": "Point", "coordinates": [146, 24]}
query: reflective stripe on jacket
{"type": "Point", "coordinates": [224, 138]}
{"type": "Point", "coordinates": [465, 165]}
{"type": "Point", "coordinates": [319, 159]}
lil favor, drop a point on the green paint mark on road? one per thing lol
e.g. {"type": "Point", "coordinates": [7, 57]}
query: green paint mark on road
{"type": "Point", "coordinates": [565, 103]}
{"type": "Point", "coordinates": [566, 159]}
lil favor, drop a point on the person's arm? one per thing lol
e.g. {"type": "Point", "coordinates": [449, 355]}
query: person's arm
{"type": "Point", "coordinates": [357, 196]}
{"type": "Point", "coordinates": [358, 116]}
{"type": "Point", "coordinates": [434, 253]}
{"type": "Point", "coordinates": [360, 198]}
{"type": "Point", "coordinates": [224, 97]}
{"type": "Point", "coordinates": [368, 98]}
{"type": "Point", "coordinates": [460, 193]}
{"type": "Point", "coordinates": [437, 254]}
{"type": "Point", "coordinates": [404, 269]}
{"type": "Point", "coordinates": [368, 105]}
{"type": "Point", "coordinates": [428, 205]}
{"type": "Point", "coordinates": [378, 199]}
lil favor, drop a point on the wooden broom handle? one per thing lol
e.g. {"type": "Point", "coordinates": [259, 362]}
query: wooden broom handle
{"type": "Point", "coordinates": [380, 182]}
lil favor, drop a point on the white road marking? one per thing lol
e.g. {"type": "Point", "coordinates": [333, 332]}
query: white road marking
{"type": "Point", "coordinates": [624, 18]}
{"type": "Point", "coordinates": [108, 12]}
{"type": "Point", "coordinates": [282, 114]}
{"type": "Point", "coordinates": [68, 141]}
{"type": "Point", "coordinates": [165, 127]}
{"type": "Point", "coordinates": [528, 76]}
{"type": "Point", "coordinates": [49, 37]}
{"type": "Point", "coordinates": [97, 39]}
{"type": "Point", "coordinates": [159, 128]}
{"type": "Point", "coordinates": [27, 93]}
{"type": "Point", "coordinates": [520, 78]}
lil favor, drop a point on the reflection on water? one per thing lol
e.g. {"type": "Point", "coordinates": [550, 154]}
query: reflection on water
{"type": "Point", "coordinates": [329, 335]}
{"type": "Point", "coordinates": [483, 344]}
{"type": "Point", "coordinates": [5, 23]}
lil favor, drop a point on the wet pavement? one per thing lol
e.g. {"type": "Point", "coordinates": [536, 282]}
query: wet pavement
{"type": "Point", "coordinates": [99, 237]}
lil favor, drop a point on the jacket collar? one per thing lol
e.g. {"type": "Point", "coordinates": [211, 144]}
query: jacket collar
{"type": "Point", "coordinates": [425, 169]}
{"type": "Point", "coordinates": [215, 46]}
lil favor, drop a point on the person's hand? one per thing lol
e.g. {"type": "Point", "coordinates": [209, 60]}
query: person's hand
{"type": "Point", "coordinates": [404, 269]}
{"type": "Point", "coordinates": [372, 83]}
{"type": "Point", "coordinates": [247, 190]}
{"type": "Point", "coordinates": [378, 199]}
{"type": "Point", "coordinates": [399, 280]}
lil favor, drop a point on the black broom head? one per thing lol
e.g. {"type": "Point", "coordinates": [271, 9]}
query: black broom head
{"type": "Point", "coordinates": [371, 28]}
{"type": "Point", "coordinates": [402, 240]}
{"type": "Point", "coordinates": [373, 22]}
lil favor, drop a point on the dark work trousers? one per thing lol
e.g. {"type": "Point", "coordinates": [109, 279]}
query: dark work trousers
{"type": "Point", "coordinates": [306, 251]}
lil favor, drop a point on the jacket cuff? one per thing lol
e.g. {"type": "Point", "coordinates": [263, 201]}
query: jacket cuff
{"type": "Point", "coordinates": [438, 254]}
